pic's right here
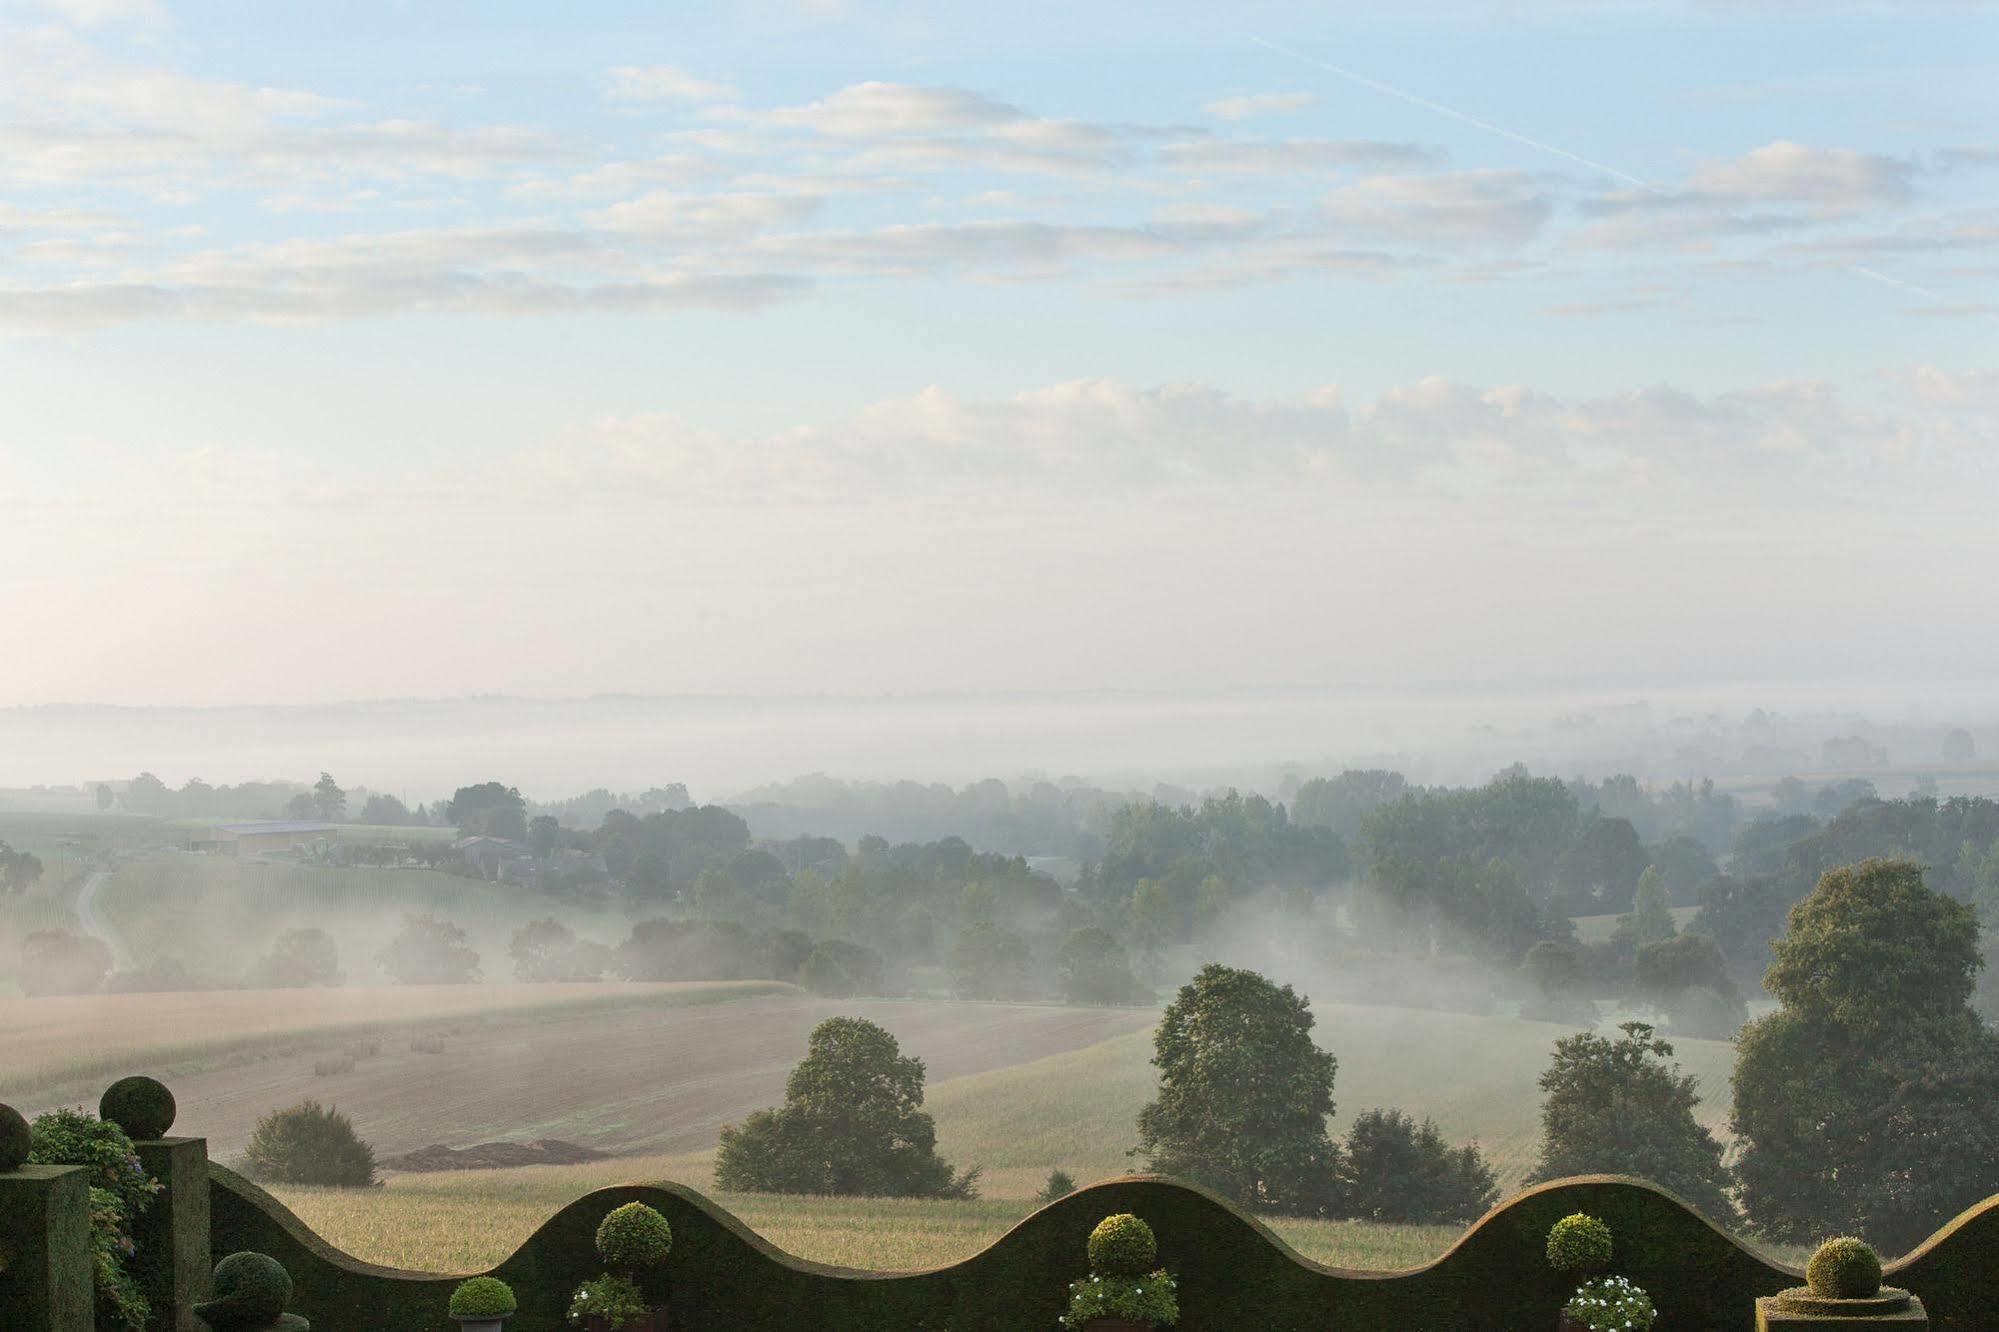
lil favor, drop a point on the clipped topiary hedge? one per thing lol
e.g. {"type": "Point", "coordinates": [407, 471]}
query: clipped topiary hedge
{"type": "Point", "coordinates": [1230, 1271]}
{"type": "Point", "coordinates": [142, 1106]}
{"type": "Point", "coordinates": [1844, 1268]}
{"type": "Point", "coordinates": [1122, 1245]}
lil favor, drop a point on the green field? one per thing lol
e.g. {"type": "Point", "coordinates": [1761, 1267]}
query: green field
{"type": "Point", "coordinates": [1074, 1111]}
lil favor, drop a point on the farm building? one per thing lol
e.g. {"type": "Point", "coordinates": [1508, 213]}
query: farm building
{"type": "Point", "coordinates": [238, 839]}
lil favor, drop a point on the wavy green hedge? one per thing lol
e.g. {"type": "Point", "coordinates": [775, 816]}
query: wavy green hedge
{"type": "Point", "coordinates": [1233, 1273]}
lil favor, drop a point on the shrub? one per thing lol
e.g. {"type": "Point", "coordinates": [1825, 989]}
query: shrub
{"type": "Point", "coordinates": [299, 958]}
{"type": "Point", "coordinates": [1122, 1246]}
{"type": "Point", "coordinates": [1401, 1171]}
{"type": "Point", "coordinates": [308, 1144]}
{"type": "Point", "coordinates": [1141, 1299]}
{"type": "Point", "coordinates": [16, 1140]}
{"type": "Point", "coordinates": [141, 1106]}
{"type": "Point", "coordinates": [429, 951]}
{"type": "Point", "coordinates": [1611, 1305]}
{"type": "Point", "coordinates": [327, 1068]}
{"type": "Point", "coordinates": [633, 1237]}
{"type": "Point", "coordinates": [120, 1190]}
{"type": "Point", "coordinates": [616, 1300]}
{"type": "Point", "coordinates": [1844, 1268]}
{"type": "Point", "coordinates": [62, 962]}
{"type": "Point", "coordinates": [1579, 1243]}
{"type": "Point", "coordinates": [428, 1045]}
{"type": "Point", "coordinates": [1059, 1185]}
{"type": "Point", "coordinates": [836, 968]}
{"type": "Point", "coordinates": [251, 1289]}
{"type": "Point", "coordinates": [482, 1297]}
{"type": "Point", "coordinates": [361, 1049]}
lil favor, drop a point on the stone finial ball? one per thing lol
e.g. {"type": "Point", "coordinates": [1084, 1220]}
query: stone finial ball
{"type": "Point", "coordinates": [15, 1139]}
{"type": "Point", "coordinates": [1844, 1268]}
{"type": "Point", "coordinates": [142, 1106]}
{"type": "Point", "coordinates": [248, 1286]}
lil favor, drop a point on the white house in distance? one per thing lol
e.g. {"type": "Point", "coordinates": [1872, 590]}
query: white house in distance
{"type": "Point", "coordinates": [264, 838]}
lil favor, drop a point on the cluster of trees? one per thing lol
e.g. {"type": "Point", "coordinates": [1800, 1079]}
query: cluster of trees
{"type": "Point", "coordinates": [1244, 1099]}
{"type": "Point", "coordinates": [18, 869]}
{"type": "Point", "coordinates": [1047, 818]}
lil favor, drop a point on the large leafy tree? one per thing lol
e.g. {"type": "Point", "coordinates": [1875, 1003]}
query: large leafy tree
{"type": "Point", "coordinates": [1618, 1107]}
{"type": "Point", "coordinates": [1869, 1102]}
{"type": "Point", "coordinates": [489, 809]}
{"type": "Point", "coordinates": [1401, 1171]}
{"type": "Point", "coordinates": [429, 950]}
{"type": "Point", "coordinates": [1244, 1094]}
{"type": "Point", "coordinates": [852, 1122]}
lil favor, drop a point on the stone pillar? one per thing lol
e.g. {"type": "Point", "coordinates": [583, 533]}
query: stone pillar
{"type": "Point", "coordinates": [45, 1243]}
{"type": "Point", "coordinates": [172, 1237]}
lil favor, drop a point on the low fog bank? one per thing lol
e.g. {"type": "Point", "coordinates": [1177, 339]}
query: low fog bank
{"type": "Point", "coordinates": [724, 749]}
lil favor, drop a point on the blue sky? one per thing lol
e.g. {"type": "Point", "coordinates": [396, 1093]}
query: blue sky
{"type": "Point", "coordinates": [744, 301]}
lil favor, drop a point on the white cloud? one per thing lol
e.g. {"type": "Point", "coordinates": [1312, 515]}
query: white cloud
{"type": "Point", "coordinates": [1487, 208]}
{"type": "Point", "coordinates": [1829, 181]}
{"type": "Point", "coordinates": [665, 215]}
{"type": "Point", "coordinates": [1276, 157]}
{"type": "Point", "coordinates": [1259, 104]}
{"type": "Point", "coordinates": [875, 109]}
{"type": "Point", "coordinates": [655, 83]}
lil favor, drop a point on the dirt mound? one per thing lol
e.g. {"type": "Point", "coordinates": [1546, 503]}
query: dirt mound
{"type": "Point", "coordinates": [494, 1155]}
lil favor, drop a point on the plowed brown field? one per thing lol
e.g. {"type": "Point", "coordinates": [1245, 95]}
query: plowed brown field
{"type": "Point", "coordinates": [623, 1080]}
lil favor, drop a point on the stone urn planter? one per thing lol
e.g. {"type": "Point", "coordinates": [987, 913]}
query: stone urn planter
{"type": "Point", "coordinates": [1799, 1310]}
{"type": "Point", "coordinates": [482, 1304]}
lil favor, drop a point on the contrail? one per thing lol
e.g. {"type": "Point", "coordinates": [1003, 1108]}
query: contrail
{"type": "Point", "coordinates": [1455, 114]}
{"type": "Point", "coordinates": [1553, 150]}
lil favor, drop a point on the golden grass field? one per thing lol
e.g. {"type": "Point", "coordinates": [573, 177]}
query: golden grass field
{"type": "Point", "coordinates": [1074, 1110]}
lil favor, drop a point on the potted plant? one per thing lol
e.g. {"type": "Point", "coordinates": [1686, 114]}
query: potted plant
{"type": "Point", "coordinates": [1124, 1291]}
{"type": "Point", "coordinates": [632, 1240]}
{"type": "Point", "coordinates": [1580, 1246]}
{"type": "Point", "coordinates": [482, 1304]}
{"type": "Point", "coordinates": [1843, 1287]}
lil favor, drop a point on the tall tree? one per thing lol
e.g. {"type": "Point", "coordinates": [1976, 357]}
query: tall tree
{"type": "Point", "coordinates": [1244, 1094]}
{"type": "Point", "coordinates": [329, 802]}
{"type": "Point", "coordinates": [1404, 1172]}
{"type": "Point", "coordinates": [1651, 917]}
{"type": "Point", "coordinates": [1617, 1107]}
{"type": "Point", "coordinates": [852, 1122]}
{"type": "Point", "coordinates": [1867, 1103]}
{"type": "Point", "coordinates": [489, 809]}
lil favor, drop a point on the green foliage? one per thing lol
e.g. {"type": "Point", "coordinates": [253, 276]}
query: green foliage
{"type": "Point", "coordinates": [989, 962]}
{"type": "Point", "coordinates": [18, 869]}
{"type": "Point", "coordinates": [852, 1123]}
{"type": "Point", "coordinates": [16, 1139]}
{"type": "Point", "coordinates": [1579, 1243]}
{"type": "Point", "coordinates": [1060, 1185]}
{"type": "Point", "coordinates": [429, 950]}
{"type": "Point", "coordinates": [1651, 916]}
{"type": "Point", "coordinates": [1844, 1268]}
{"type": "Point", "coordinates": [1612, 1304]}
{"type": "Point", "coordinates": [141, 1106]}
{"type": "Point", "coordinates": [251, 1291]}
{"type": "Point", "coordinates": [490, 810]}
{"type": "Point", "coordinates": [615, 1300]}
{"type": "Point", "coordinates": [1617, 1107]}
{"type": "Point", "coordinates": [1401, 1171]}
{"type": "Point", "coordinates": [548, 950]}
{"type": "Point", "coordinates": [1705, 1014]}
{"type": "Point", "coordinates": [1244, 1094]}
{"type": "Point", "coordinates": [1091, 968]}
{"type": "Point", "coordinates": [836, 968]}
{"type": "Point", "coordinates": [120, 1192]}
{"type": "Point", "coordinates": [483, 1297]}
{"type": "Point", "coordinates": [1122, 1246]}
{"type": "Point", "coordinates": [1743, 916]}
{"type": "Point", "coordinates": [1869, 1103]}
{"type": "Point", "coordinates": [61, 961]}
{"type": "Point", "coordinates": [1149, 1300]}
{"type": "Point", "coordinates": [309, 1144]}
{"type": "Point", "coordinates": [299, 958]}
{"type": "Point", "coordinates": [633, 1238]}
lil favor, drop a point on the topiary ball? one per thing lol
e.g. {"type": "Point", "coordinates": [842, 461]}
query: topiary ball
{"type": "Point", "coordinates": [247, 1286]}
{"type": "Point", "coordinates": [16, 1139]}
{"type": "Point", "coordinates": [1122, 1245]}
{"type": "Point", "coordinates": [1844, 1268]}
{"type": "Point", "coordinates": [1579, 1243]}
{"type": "Point", "coordinates": [142, 1106]}
{"type": "Point", "coordinates": [633, 1237]}
{"type": "Point", "coordinates": [482, 1297]}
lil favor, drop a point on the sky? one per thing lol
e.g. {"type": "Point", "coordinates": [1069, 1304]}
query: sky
{"type": "Point", "coordinates": [363, 350]}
